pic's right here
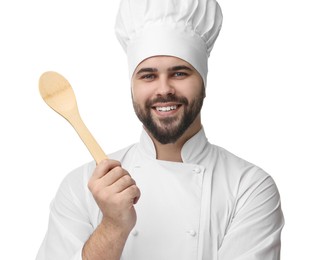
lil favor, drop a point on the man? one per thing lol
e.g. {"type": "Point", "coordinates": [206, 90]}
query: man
{"type": "Point", "coordinates": [173, 195]}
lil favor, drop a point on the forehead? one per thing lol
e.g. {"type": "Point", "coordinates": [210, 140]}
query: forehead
{"type": "Point", "coordinates": [162, 62]}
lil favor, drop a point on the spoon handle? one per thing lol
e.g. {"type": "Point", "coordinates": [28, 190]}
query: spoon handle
{"type": "Point", "coordinates": [87, 138]}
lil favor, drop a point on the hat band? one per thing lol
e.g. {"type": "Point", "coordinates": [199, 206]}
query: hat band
{"type": "Point", "coordinates": [160, 39]}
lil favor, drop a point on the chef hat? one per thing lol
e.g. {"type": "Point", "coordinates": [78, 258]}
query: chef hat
{"type": "Point", "coordinates": [186, 29]}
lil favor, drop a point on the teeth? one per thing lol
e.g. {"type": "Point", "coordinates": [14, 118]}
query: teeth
{"type": "Point", "coordinates": [165, 109]}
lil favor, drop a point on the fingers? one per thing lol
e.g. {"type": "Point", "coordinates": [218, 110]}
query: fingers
{"type": "Point", "coordinates": [132, 192]}
{"type": "Point", "coordinates": [115, 192]}
{"type": "Point", "coordinates": [103, 168]}
{"type": "Point", "coordinates": [111, 178]}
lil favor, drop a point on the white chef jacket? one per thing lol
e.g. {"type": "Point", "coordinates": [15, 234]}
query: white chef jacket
{"type": "Point", "coordinates": [213, 206]}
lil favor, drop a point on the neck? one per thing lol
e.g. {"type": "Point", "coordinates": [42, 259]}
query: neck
{"type": "Point", "coordinates": [172, 151]}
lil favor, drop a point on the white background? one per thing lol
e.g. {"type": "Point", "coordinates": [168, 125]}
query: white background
{"type": "Point", "coordinates": [260, 105]}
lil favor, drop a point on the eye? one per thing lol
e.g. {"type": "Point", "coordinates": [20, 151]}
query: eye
{"type": "Point", "coordinates": [148, 77]}
{"type": "Point", "coordinates": [179, 74]}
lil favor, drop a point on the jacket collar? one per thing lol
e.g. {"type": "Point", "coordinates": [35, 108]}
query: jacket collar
{"type": "Point", "coordinates": [191, 150]}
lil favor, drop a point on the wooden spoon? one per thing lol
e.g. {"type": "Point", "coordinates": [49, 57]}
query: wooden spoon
{"type": "Point", "coordinates": [58, 94]}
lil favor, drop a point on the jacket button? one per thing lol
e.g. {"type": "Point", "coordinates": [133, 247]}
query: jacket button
{"type": "Point", "coordinates": [197, 170]}
{"type": "Point", "coordinates": [192, 233]}
{"type": "Point", "coordinates": [134, 232]}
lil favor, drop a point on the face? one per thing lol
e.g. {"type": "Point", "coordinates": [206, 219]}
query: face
{"type": "Point", "coordinates": [167, 95]}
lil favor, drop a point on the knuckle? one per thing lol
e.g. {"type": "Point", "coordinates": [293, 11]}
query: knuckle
{"type": "Point", "coordinates": [127, 181]}
{"type": "Point", "coordinates": [97, 190]}
{"type": "Point", "coordinates": [133, 191]}
{"type": "Point", "coordinates": [91, 185]}
{"type": "Point", "coordinates": [104, 197]}
{"type": "Point", "coordinates": [103, 165]}
{"type": "Point", "coordinates": [121, 183]}
{"type": "Point", "coordinates": [136, 190]}
{"type": "Point", "coordinates": [106, 166]}
{"type": "Point", "coordinates": [118, 171]}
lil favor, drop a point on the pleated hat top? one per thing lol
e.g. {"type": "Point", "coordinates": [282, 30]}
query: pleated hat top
{"type": "Point", "coordinates": [186, 29]}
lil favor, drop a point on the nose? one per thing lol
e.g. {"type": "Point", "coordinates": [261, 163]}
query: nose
{"type": "Point", "coordinates": [164, 87]}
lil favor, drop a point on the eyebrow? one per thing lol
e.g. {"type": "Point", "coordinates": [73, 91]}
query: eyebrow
{"type": "Point", "coordinates": [144, 70]}
{"type": "Point", "coordinates": [180, 67]}
{"type": "Point", "coordinates": [175, 68]}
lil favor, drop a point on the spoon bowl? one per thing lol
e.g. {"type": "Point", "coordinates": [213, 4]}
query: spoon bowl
{"type": "Point", "coordinates": [59, 95]}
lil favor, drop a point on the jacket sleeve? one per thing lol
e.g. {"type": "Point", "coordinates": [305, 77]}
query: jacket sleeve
{"type": "Point", "coordinates": [255, 228]}
{"type": "Point", "coordinates": [69, 222]}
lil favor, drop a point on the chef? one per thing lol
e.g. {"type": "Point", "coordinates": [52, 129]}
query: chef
{"type": "Point", "coordinates": [173, 195]}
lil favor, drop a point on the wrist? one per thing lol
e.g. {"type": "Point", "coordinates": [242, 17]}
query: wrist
{"type": "Point", "coordinates": [106, 242]}
{"type": "Point", "coordinates": [113, 230]}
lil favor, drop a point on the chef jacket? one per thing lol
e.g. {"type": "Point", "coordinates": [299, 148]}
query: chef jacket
{"type": "Point", "coordinates": [212, 206]}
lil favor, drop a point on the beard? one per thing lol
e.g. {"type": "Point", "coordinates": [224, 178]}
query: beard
{"type": "Point", "coordinates": [170, 129]}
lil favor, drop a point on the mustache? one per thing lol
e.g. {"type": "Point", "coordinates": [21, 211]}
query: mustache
{"type": "Point", "coordinates": [166, 99]}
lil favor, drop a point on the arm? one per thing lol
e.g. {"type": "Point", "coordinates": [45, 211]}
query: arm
{"type": "Point", "coordinates": [115, 192]}
{"type": "Point", "coordinates": [255, 229]}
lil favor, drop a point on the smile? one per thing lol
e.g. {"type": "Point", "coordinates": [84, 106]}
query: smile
{"type": "Point", "coordinates": [166, 109]}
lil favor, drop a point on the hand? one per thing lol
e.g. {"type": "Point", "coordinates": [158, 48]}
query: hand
{"type": "Point", "coordinates": [115, 192]}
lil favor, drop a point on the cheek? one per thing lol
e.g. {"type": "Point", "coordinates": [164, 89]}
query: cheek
{"type": "Point", "coordinates": [140, 94]}
{"type": "Point", "coordinates": [192, 89]}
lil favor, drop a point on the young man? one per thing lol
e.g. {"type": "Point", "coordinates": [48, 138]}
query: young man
{"type": "Point", "coordinates": [173, 195]}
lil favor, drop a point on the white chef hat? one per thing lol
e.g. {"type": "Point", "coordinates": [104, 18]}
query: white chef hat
{"type": "Point", "coordinates": [186, 29]}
